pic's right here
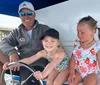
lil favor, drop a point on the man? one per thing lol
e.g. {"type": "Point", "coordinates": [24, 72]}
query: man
{"type": "Point", "coordinates": [25, 37]}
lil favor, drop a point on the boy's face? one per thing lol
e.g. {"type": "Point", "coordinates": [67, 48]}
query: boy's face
{"type": "Point", "coordinates": [50, 43]}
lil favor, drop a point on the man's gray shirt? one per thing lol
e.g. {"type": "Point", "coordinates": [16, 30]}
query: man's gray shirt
{"type": "Point", "coordinates": [19, 38]}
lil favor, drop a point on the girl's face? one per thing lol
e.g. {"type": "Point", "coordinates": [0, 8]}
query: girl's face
{"type": "Point", "coordinates": [84, 32]}
{"type": "Point", "coordinates": [50, 43]}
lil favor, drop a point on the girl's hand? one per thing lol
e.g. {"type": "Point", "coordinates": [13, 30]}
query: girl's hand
{"type": "Point", "coordinates": [38, 75]}
{"type": "Point", "coordinates": [71, 78]}
{"type": "Point", "coordinates": [5, 66]}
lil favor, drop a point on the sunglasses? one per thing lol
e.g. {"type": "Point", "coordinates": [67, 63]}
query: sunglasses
{"type": "Point", "coordinates": [22, 14]}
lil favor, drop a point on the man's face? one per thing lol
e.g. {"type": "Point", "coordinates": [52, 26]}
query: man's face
{"type": "Point", "coordinates": [27, 17]}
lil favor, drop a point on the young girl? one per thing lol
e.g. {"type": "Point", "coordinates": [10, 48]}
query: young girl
{"type": "Point", "coordinates": [86, 54]}
{"type": "Point", "coordinates": [57, 70]}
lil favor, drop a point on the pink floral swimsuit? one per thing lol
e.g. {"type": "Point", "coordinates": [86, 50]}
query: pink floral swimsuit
{"type": "Point", "coordinates": [86, 59]}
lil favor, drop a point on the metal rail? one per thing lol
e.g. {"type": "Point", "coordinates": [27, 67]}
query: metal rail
{"type": "Point", "coordinates": [13, 64]}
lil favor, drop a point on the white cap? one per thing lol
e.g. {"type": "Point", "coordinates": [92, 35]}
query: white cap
{"type": "Point", "coordinates": [98, 24]}
{"type": "Point", "coordinates": [27, 5]}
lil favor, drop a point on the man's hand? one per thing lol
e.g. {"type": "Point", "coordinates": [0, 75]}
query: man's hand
{"type": "Point", "coordinates": [14, 58]}
{"type": "Point", "coordinates": [5, 66]}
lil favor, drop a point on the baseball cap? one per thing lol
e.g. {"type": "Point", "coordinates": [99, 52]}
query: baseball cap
{"type": "Point", "coordinates": [27, 5]}
{"type": "Point", "coordinates": [52, 33]}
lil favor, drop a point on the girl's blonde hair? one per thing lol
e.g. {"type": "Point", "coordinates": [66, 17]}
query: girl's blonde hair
{"type": "Point", "coordinates": [61, 46]}
{"type": "Point", "coordinates": [91, 22]}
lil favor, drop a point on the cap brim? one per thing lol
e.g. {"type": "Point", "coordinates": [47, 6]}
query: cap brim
{"type": "Point", "coordinates": [26, 8]}
{"type": "Point", "coordinates": [41, 38]}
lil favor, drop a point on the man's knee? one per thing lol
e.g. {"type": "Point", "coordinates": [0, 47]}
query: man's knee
{"type": "Point", "coordinates": [3, 58]}
{"type": "Point", "coordinates": [1, 66]}
{"type": "Point", "coordinates": [2, 54]}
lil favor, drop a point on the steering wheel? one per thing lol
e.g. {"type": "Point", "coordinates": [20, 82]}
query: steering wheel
{"type": "Point", "coordinates": [13, 64]}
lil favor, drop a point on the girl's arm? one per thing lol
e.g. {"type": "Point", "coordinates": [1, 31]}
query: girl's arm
{"type": "Point", "coordinates": [98, 58]}
{"type": "Point", "coordinates": [71, 70]}
{"type": "Point", "coordinates": [72, 65]}
{"type": "Point", "coordinates": [52, 64]}
{"type": "Point", "coordinates": [32, 59]}
{"type": "Point", "coordinates": [27, 60]}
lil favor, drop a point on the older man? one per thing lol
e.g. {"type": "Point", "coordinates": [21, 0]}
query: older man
{"type": "Point", "coordinates": [25, 37]}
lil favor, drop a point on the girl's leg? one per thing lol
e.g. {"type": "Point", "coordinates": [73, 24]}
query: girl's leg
{"type": "Point", "coordinates": [62, 77]}
{"type": "Point", "coordinates": [98, 79]}
{"type": "Point", "coordinates": [77, 79]}
{"type": "Point", "coordinates": [52, 77]}
{"type": "Point", "coordinates": [90, 79]}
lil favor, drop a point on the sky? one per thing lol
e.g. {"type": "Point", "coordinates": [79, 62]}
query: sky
{"type": "Point", "coordinates": [9, 21]}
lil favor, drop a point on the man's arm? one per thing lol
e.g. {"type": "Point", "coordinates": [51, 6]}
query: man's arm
{"type": "Point", "coordinates": [7, 45]}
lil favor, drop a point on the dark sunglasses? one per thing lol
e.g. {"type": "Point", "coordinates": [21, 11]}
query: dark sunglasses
{"type": "Point", "coordinates": [22, 14]}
